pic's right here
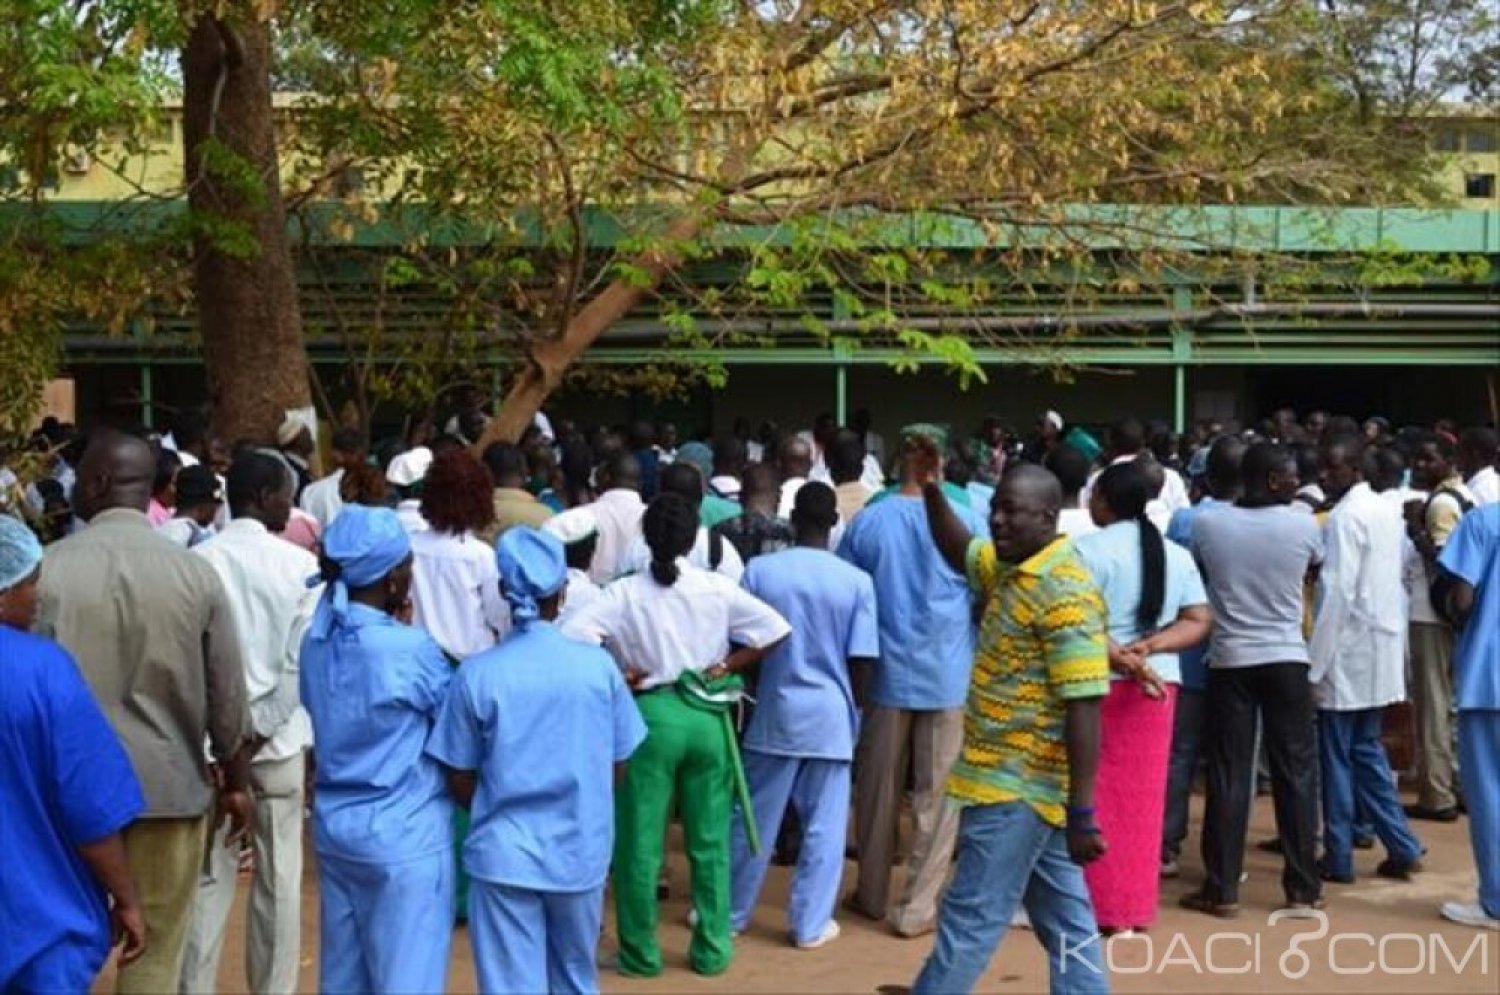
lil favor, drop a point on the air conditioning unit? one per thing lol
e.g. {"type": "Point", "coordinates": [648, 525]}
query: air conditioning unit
{"type": "Point", "coordinates": [77, 163]}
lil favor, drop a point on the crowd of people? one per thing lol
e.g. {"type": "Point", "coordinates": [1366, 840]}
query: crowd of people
{"type": "Point", "coordinates": [541, 655]}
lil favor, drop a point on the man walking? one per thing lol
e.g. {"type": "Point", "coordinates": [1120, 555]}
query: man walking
{"type": "Point", "coordinates": [915, 713]}
{"type": "Point", "coordinates": [1358, 650]}
{"type": "Point", "coordinates": [1025, 780]}
{"type": "Point", "coordinates": [266, 581]}
{"type": "Point", "coordinates": [1472, 559]}
{"type": "Point", "coordinates": [799, 746]}
{"type": "Point", "coordinates": [152, 631]}
{"type": "Point", "coordinates": [1429, 524]}
{"type": "Point", "coordinates": [1254, 556]}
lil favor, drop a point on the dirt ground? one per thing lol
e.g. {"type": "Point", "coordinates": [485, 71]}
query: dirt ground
{"type": "Point", "coordinates": [1379, 937]}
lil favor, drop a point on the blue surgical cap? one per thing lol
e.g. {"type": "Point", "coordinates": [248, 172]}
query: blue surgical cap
{"type": "Point", "coordinates": [367, 544]}
{"type": "Point", "coordinates": [19, 552]}
{"type": "Point", "coordinates": [698, 455]}
{"type": "Point", "coordinates": [532, 567]}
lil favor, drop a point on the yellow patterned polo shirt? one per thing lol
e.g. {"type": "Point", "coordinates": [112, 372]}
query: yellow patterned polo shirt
{"type": "Point", "coordinates": [1042, 642]}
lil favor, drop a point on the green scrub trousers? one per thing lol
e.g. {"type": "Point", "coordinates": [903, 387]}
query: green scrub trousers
{"type": "Point", "coordinates": [685, 756]}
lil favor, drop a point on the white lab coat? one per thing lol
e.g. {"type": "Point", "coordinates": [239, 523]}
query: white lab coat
{"type": "Point", "coordinates": [1358, 645]}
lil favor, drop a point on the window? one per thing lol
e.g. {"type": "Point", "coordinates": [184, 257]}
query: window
{"type": "Point", "coordinates": [1479, 185]}
{"type": "Point", "coordinates": [1447, 140]}
{"type": "Point", "coordinates": [1481, 140]}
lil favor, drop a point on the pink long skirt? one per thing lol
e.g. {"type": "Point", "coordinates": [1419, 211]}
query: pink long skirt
{"type": "Point", "coordinates": [1135, 747]}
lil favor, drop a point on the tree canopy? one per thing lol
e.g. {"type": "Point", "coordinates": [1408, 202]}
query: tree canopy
{"type": "Point", "coordinates": [775, 136]}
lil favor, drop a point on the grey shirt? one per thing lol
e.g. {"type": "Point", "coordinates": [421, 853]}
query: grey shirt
{"type": "Point", "coordinates": [150, 627]}
{"type": "Point", "coordinates": [1254, 562]}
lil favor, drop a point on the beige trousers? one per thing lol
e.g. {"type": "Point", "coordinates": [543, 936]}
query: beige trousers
{"type": "Point", "coordinates": [273, 945]}
{"type": "Point", "coordinates": [930, 741]}
{"type": "Point", "coordinates": [1432, 701]}
{"type": "Point", "coordinates": [165, 856]}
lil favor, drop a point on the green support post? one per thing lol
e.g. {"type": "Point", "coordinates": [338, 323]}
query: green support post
{"type": "Point", "coordinates": [841, 393]}
{"type": "Point", "coordinates": [148, 404]}
{"type": "Point", "coordinates": [1182, 354]}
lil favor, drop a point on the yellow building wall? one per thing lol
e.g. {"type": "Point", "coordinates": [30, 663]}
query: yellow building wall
{"type": "Point", "coordinates": [1467, 145]}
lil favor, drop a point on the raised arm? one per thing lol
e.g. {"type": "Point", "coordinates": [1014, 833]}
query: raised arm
{"type": "Point", "coordinates": [948, 532]}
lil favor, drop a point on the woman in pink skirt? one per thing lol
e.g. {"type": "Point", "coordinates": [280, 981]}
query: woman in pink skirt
{"type": "Point", "coordinates": [1157, 606]}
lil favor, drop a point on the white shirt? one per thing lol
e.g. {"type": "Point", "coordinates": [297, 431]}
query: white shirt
{"type": "Point", "coordinates": [618, 514]}
{"type": "Point", "coordinates": [581, 592]}
{"type": "Point", "coordinates": [1075, 522]}
{"type": "Point", "coordinates": [1358, 644]}
{"type": "Point", "coordinates": [789, 489]}
{"type": "Point", "coordinates": [185, 532]}
{"type": "Point", "coordinates": [1485, 486]}
{"type": "Point", "coordinates": [638, 557]}
{"type": "Point", "coordinates": [321, 498]}
{"type": "Point", "coordinates": [455, 592]}
{"type": "Point", "coordinates": [666, 631]}
{"type": "Point", "coordinates": [1172, 496]}
{"type": "Point", "coordinates": [410, 514]}
{"type": "Point", "coordinates": [266, 581]}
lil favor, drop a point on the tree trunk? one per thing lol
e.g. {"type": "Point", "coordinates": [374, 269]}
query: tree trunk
{"type": "Point", "coordinates": [247, 300]}
{"type": "Point", "coordinates": [548, 361]}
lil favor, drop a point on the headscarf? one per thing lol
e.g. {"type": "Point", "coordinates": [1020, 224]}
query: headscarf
{"type": "Point", "coordinates": [19, 552]}
{"type": "Point", "coordinates": [532, 567]}
{"type": "Point", "coordinates": [366, 544]}
{"type": "Point", "coordinates": [936, 434]}
{"type": "Point", "coordinates": [698, 455]}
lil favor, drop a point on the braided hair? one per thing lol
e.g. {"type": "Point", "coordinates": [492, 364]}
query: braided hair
{"type": "Point", "coordinates": [1126, 489]}
{"type": "Point", "coordinates": [670, 527]}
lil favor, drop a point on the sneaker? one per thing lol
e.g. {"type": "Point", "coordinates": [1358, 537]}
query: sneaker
{"type": "Point", "coordinates": [830, 933]}
{"type": "Point", "coordinates": [1470, 914]}
{"type": "Point", "coordinates": [1170, 869]}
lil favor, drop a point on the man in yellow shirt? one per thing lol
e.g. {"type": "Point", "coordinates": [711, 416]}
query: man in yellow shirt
{"type": "Point", "coordinates": [1025, 777]}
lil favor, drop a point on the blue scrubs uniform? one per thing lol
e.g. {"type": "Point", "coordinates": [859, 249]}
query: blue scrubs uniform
{"type": "Point", "coordinates": [1473, 553]}
{"type": "Point", "coordinates": [927, 631]}
{"type": "Point", "coordinates": [799, 747]}
{"type": "Point", "coordinates": [542, 719]}
{"type": "Point", "coordinates": [65, 781]}
{"type": "Point", "coordinates": [382, 817]}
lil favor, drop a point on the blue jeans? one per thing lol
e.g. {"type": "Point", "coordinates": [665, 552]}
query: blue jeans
{"type": "Point", "coordinates": [1479, 773]}
{"type": "Point", "coordinates": [1187, 748]}
{"type": "Point", "coordinates": [1356, 775]}
{"type": "Point", "coordinates": [1008, 856]}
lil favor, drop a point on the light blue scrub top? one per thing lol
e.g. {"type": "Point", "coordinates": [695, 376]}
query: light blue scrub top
{"type": "Point", "coordinates": [1113, 556]}
{"type": "Point", "coordinates": [374, 688]}
{"type": "Point", "coordinates": [543, 719]}
{"type": "Point", "coordinates": [1473, 553]}
{"type": "Point", "coordinates": [804, 704]}
{"type": "Point", "coordinates": [927, 630]}
{"type": "Point", "coordinates": [1192, 662]}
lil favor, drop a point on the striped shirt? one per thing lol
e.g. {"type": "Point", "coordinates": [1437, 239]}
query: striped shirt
{"type": "Point", "coordinates": [1041, 643]}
